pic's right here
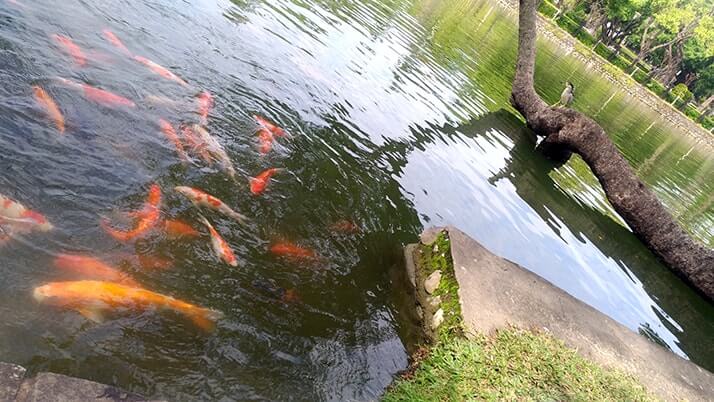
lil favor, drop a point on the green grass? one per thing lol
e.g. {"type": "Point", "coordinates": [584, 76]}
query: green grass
{"type": "Point", "coordinates": [511, 364]}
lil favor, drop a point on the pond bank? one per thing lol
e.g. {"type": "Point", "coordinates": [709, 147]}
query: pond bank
{"type": "Point", "coordinates": [15, 386]}
{"type": "Point", "coordinates": [496, 295]}
{"type": "Point", "coordinates": [573, 47]}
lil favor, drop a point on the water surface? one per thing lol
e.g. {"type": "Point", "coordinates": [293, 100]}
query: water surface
{"type": "Point", "coordinates": [399, 119]}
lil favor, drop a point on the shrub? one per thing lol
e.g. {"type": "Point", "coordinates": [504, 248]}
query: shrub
{"type": "Point", "coordinates": [682, 92]}
{"type": "Point", "coordinates": [547, 9]}
{"type": "Point", "coordinates": [691, 112]}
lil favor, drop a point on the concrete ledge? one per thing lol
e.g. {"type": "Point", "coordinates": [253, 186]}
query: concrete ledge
{"type": "Point", "coordinates": [49, 387]}
{"type": "Point", "coordinates": [495, 293]}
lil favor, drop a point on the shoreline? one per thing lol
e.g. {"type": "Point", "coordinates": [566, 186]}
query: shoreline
{"type": "Point", "coordinates": [573, 47]}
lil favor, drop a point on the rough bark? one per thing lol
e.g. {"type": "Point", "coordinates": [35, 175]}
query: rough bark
{"type": "Point", "coordinates": [567, 131]}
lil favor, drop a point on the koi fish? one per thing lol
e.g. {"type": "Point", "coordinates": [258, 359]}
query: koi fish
{"type": "Point", "coordinates": [220, 247]}
{"type": "Point", "coordinates": [104, 98]}
{"type": "Point", "coordinates": [93, 298]}
{"type": "Point", "coordinates": [92, 268]}
{"type": "Point", "coordinates": [292, 250]}
{"type": "Point", "coordinates": [259, 183]}
{"type": "Point", "coordinates": [14, 213]}
{"type": "Point", "coordinates": [46, 101]}
{"type": "Point", "coordinates": [344, 226]}
{"type": "Point", "coordinates": [215, 150]}
{"type": "Point", "coordinates": [153, 262]}
{"type": "Point", "coordinates": [202, 199]}
{"type": "Point", "coordinates": [276, 292]}
{"type": "Point", "coordinates": [170, 133]}
{"type": "Point", "coordinates": [158, 100]}
{"type": "Point", "coordinates": [162, 71]}
{"type": "Point", "coordinates": [196, 144]}
{"type": "Point", "coordinates": [265, 138]}
{"type": "Point", "coordinates": [264, 123]}
{"type": "Point", "coordinates": [205, 103]}
{"type": "Point", "coordinates": [70, 47]}
{"type": "Point", "coordinates": [114, 40]}
{"type": "Point", "coordinates": [176, 228]}
{"type": "Point", "coordinates": [148, 217]}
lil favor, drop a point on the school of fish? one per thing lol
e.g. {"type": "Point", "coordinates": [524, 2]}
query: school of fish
{"type": "Point", "coordinates": [94, 287]}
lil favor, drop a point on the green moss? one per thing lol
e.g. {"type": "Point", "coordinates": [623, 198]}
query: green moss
{"type": "Point", "coordinates": [511, 364]}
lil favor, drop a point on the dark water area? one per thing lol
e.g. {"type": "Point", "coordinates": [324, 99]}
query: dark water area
{"type": "Point", "coordinates": [398, 118]}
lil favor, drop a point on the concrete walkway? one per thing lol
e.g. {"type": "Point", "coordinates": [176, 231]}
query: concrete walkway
{"type": "Point", "coordinates": [496, 293]}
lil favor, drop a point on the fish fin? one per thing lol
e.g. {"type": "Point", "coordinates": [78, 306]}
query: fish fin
{"type": "Point", "coordinates": [204, 221]}
{"type": "Point", "coordinates": [92, 314]}
{"type": "Point", "coordinates": [205, 318]}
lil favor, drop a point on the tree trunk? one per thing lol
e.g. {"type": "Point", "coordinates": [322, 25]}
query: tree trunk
{"type": "Point", "coordinates": [567, 131]}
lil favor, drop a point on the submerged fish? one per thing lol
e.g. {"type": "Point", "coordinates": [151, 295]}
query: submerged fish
{"type": "Point", "coordinates": [46, 101]}
{"type": "Point", "coordinates": [215, 149]}
{"type": "Point", "coordinates": [92, 268]}
{"type": "Point", "coordinates": [292, 250]}
{"type": "Point", "coordinates": [160, 70]}
{"type": "Point", "coordinates": [259, 183]}
{"type": "Point", "coordinates": [176, 228]}
{"type": "Point", "coordinates": [170, 133]}
{"type": "Point", "coordinates": [114, 40]}
{"type": "Point", "coordinates": [344, 226]}
{"type": "Point", "coordinates": [272, 128]}
{"type": "Point", "coordinates": [153, 262]}
{"type": "Point", "coordinates": [265, 139]}
{"type": "Point", "coordinates": [220, 247]}
{"type": "Point", "coordinates": [276, 292]}
{"type": "Point", "coordinates": [205, 103]}
{"type": "Point", "coordinates": [70, 47]}
{"type": "Point", "coordinates": [202, 199]}
{"type": "Point", "coordinates": [148, 217]}
{"type": "Point", "coordinates": [97, 95]}
{"type": "Point", "coordinates": [93, 298]}
{"type": "Point", "coordinates": [14, 214]}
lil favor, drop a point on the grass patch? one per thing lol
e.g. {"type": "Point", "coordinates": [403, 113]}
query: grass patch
{"type": "Point", "coordinates": [511, 364]}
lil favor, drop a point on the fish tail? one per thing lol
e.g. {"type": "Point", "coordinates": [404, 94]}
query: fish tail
{"type": "Point", "coordinates": [240, 218]}
{"type": "Point", "coordinates": [204, 318]}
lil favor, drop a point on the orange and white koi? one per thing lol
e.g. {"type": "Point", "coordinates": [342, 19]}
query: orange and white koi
{"type": "Point", "coordinates": [265, 138]}
{"type": "Point", "coordinates": [93, 298]}
{"type": "Point", "coordinates": [292, 250]}
{"type": "Point", "coordinates": [264, 123]}
{"type": "Point", "coordinates": [114, 40]}
{"type": "Point", "coordinates": [148, 218]}
{"type": "Point", "coordinates": [160, 70]}
{"type": "Point", "coordinates": [205, 103]}
{"type": "Point", "coordinates": [196, 144]}
{"type": "Point", "coordinates": [13, 214]}
{"type": "Point", "coordinates": [92, 268]}
{"type": "Point", "coordinates": [97, 95]}
{"type": "Point", "coordinates": [70, 47]}
{"type": "Point", "coordinates": [202, 199]}
{"type": "Point", "coordinates": [170, 133]}
{"type": "Point", "coordinates": [46, 101]}
{"type": "Point", "coordinates": [177, 228]}
{"type": "Point", "coordinates": [215, 149]}
{"type": "Point", "coordinates": [259, 183]}
{"type": "Point", "coordinates": [220, 247]}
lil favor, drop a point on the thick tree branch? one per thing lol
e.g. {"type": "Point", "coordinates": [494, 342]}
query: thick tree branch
{"type": "Point", "coordinates": [566, 131]}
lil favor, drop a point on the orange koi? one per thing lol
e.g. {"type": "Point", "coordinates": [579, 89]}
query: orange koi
{"type": "Point", "coordinates": [70, 47]}
{"type": "Point", "coordinates": [148, 218]}
{"type": "Point", "coordinates": [259, 183]}
{"type": "Point", "coordinates": [292, 250]}
{"type": "Point", "coordinates": [344, 226]}
{"type": "Point", "coordinates": [220, 247]}
{"type": "Point", "coordinates": [14, 213]}
{"type": "Point", "coordinates": [205, 103]}
{"type": "Point", "coordinates": [170, 133]}
{"type": "Point", "coordinates": [202, 199]}
{"type": "Point", "coordinates": [264, 123]}
{"type": "Point", "coordinates": [100, 96]}
{"type": "Point", "coordinates": [162, 71]}
{"type": "Point", "coordinates": [92, 268]}
{"type": "Point", "coordinates": [265, 139]}
{"type": "Point", "coordinates": [93, 298]}
{"type": "Point", "coordinates": [176, 228]}
{"type": "Point", "coordinates": [114, 40]}
{"type": "Point", "coordinates": [46, 101]}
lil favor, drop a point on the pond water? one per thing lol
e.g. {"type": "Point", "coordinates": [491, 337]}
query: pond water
{"type": "Point", "coordinates": [398, 118]}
